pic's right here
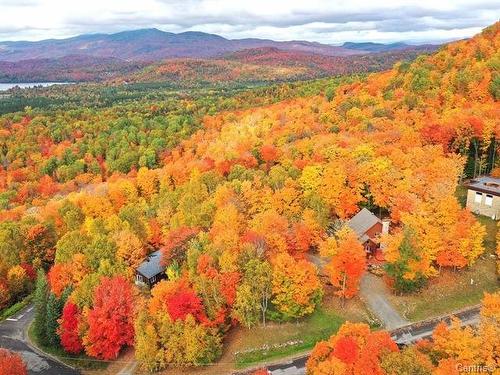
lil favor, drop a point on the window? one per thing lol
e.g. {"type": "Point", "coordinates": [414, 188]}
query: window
{"type": "Point", "coordinates": [478, 198]}
{"type": "Point", "coordinates": [488, 200]}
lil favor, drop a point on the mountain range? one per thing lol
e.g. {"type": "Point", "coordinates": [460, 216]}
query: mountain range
{"type": "Point", "coordinates": [153, 45]}
{"type": "Point", "coordinates": [98, 57]}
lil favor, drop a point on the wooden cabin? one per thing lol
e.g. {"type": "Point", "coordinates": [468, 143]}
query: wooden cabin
{"type": "Point", "coordinates": [151, 271]}
{"type": "Point", "coordinates": [368, 228]}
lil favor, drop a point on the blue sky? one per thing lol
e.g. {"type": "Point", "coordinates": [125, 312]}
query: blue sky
{"type": "Point", "coordinates": [326, 21]}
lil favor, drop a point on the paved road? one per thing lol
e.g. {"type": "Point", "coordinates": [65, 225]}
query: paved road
{"type": "Point", "coordinates": [295, 367]}
{"type": "Point", "coordinates": [13, 337]}
{"type": "Point", "coordinates": [421, 330]}
{"type": "Point", "coordinates": [374, 292]}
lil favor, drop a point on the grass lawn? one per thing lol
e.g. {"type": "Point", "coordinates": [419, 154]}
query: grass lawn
{"type": "Point", "coordinates": [281, 340]}
{"type": "Point", "coordinates": [450, 291]}
{"type": "Point", "coordinates": [80, 361]}
{"type": "Point", "coordinates": [274, 341]}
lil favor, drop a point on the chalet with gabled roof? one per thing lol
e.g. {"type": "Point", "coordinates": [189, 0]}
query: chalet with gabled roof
{"type": "Point", "coordinates": [368, 227]}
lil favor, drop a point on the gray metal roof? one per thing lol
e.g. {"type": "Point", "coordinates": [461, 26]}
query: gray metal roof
{"type": "Point", "coordinates": [152, 265]}
{"type": "Point", "coordinates": [363, 221]}
{"type": "Point", "coordinates": [485, 184]}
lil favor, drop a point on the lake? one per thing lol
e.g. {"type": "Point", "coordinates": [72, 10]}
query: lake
{"type": "Point", "coordinates": [24, 85]}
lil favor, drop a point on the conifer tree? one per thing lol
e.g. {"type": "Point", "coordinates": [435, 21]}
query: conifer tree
{"type": "Point", "coordinates": [40, 301]}
{"type": "Point", "coordinates": [54, 311]}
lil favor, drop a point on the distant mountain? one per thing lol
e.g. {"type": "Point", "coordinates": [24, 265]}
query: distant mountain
{"type": "Point", "coordinates": [379, 47]}
{"type": "Point", "coordinates": [152, 45]}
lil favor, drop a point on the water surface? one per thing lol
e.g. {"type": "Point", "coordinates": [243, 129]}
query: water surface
{"type": "Point", "coordinates": [24, 85]}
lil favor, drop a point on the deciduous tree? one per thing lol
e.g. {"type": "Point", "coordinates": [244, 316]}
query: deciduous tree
{"type": "Point", "coordinates": [347, 265]}
{"type": "Point", "coordinates": [296, 288]}
{"type": "Point", "coordinates": [353, 350]}
{"type": "Point", "coordinates": [68, 330]}
{"type": "Point", "coordinates": [11, 363]}
{"type": "Point", "coordinates": [253, 293]}
{"type": "Point", "coordinates": [110, 321]}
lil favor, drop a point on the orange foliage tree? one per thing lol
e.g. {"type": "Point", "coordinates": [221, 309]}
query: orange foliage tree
{"type": "Point", "coordinates": [296, 287]}
{"type": "Point", "coordinates": [347, 264]}
{"type": "Point", "coordinates": [353, 350]}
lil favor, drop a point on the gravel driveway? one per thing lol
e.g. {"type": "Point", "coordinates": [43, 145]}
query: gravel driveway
{"type": "Point", "coordinates": [374, 292]}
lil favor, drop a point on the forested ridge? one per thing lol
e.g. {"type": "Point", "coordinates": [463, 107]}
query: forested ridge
{"type": "Point", "coordinates": [236, 191]}
{"type": "Point", "coordinates": [263, 65]}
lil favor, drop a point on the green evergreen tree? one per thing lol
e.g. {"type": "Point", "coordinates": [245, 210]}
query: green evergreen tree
{"type": "Point", "coordinates": [54, 310]}
{"type": "Point", "coordinates": [40, 301]}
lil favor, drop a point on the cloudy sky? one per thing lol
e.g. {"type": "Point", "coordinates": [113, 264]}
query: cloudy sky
{"type": "Point", "coordinates": [326, 21]}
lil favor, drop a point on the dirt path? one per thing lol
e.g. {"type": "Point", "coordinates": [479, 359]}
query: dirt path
{"type": "Point", "coordinates": [375, 293]}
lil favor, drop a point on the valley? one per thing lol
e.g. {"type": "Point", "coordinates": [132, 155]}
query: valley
{"type": "Point", "coordinates": [190, 203]}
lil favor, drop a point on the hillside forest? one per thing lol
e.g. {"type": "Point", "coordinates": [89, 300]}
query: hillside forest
{"type": "Point", "coordinates": [237, 188]}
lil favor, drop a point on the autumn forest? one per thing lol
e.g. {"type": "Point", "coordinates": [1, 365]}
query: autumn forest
{"type": "Point", "coordinates": [246, 190]}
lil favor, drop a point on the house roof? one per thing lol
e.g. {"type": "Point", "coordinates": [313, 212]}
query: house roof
{"type": "Point", "coordinates": [485, 184]}
{"type": "Point", "coordinates": [361, 222]}
{"type": "Point", "coordinates": [152, 265]}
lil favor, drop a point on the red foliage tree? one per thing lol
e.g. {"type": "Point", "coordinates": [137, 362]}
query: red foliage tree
{"type": "Point", "coordinates": [223, 167]}
{"type": "Point", "coordinates": [68, 329]}
{"type": "Point", "coordinates": [261, 371]}
{"type": "Point", "coordinates": [11, 363]}
{"type": "Point", "coordinates": [354, 348]}
{"type": "Point", "coordinates": [184, 303]}
{"type": "Point", "coordinates": [347, 265]}
{"type": "Point", "coordinates": [228, 283]}
{"type": "Point", "coordinates": [155, 239]}
{"type": "Point", "coordinates": [47, 187]}
{"type": "Point", "coordinates": [30, 271]}
{"type": "Point", "coordinates": [111, 320]}
{"type": "Point", "coordinates": [438, 134]}
{"type": "Point", "coordinates": [302, 237]}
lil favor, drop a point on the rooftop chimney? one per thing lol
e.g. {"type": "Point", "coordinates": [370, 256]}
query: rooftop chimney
{"type": "Point", "coordinates": [385, 225]}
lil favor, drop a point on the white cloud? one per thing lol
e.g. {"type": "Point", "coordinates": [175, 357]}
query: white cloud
{"type": "Point", "coordinates": [327, 21]}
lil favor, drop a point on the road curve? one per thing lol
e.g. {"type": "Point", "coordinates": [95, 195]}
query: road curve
{"type": "Point", "coordinates": [13, 337]}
